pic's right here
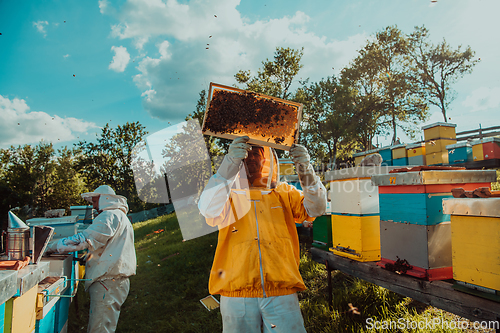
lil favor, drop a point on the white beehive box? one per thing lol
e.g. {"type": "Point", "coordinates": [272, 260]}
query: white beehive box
{"type": "Point", "coordinates": [352, 192]}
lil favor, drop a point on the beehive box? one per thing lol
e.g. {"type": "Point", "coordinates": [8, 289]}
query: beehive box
{"type": "Point", "coordinates": [386, 153]}
{"type": "Point", "coordinates": [475, 241]}
{"type": "Point", "coordinates": [20, 314]}
{"type": "Point", "coordinates": [358, 157]}
{"type": "Point", "coordinates": [426, 248]}
{"type": "Point", "coordinates": [477, 150]}
{"type": "Point", "coordinates": [486, 149]}
{"type": "Point", "coordinates": [413, 226]}
{"type": "Point", "coordinates": [459, 153]}
{"type": "Point", "coordinates": [438, 145]}
{"type": "Point", "coordinates": [399, 151]}
{"type": "Point", "coordinates": [63, 226]}
{"type": "Point", "coordinates": [416, 153]}
{"type": "Point", "coordinates": [437, 158]}
{"type": "Point", "coordinates": [322, 232]}
{"type": "Point", "coordinates": [355, 208]}
{"type": "Point", "coordinates": [268, 121]}
{"type": "Point", "coordinates": [439, 131]}
{"type": "Point", "coordinates": [286, 166]}
{"type": "Point", "coordinates": [351, 190]}
{"type": "Point", "coordinates": [356, 237]}
{"type": "Point", "coordinates": [416, 197]}
{"type": "Point", "coordinates": [491, 148]}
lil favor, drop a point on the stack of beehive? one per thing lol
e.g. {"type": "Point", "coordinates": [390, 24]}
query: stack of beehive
{"type": "Point", "coordinates": [437, 137]}
{"type": "Point", "coordinates": [415, 235]}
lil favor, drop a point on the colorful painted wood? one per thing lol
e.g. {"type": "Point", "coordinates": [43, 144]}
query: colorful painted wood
{"type": "Point", "coordinates": [437, 158]}
{"type": "Point", "coordinates": [439, 130]}
{"type": "Point", "coordinates": [400, 161]}
{"type": "Point", "coordinates": [356, 237]}
{"type": "Point", "coordinates": [475, 230]}
{"type": "Point", "coordinates": [322, 232]}
{"type": "Point", "coordinates": [459, 153]}
{"type": "Point", "coordinates": [422, 251]}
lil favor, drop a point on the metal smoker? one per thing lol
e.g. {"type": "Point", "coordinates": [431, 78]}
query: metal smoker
{"type": "Point", "coordinates": [18, 238]}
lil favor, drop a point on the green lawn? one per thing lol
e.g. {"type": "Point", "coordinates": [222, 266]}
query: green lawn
{"type": "Point", "coordinates": [172, 276]}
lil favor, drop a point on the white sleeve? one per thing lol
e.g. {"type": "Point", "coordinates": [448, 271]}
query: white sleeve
{"type": "Point", "coordinates": [74, 243]}
{"type": "Point", "coordinates": [315, 198]}
{"type": "Point", "coordinates": [215, 195]}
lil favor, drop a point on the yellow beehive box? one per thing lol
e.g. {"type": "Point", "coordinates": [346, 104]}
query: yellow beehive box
{"type": "Point", "coordinates": [20, 312]}
{"type": "Point", "coordinates": [477, 150]}
{"type": "Point", "coordinates": [415, 149]}
{"type": "Point", "coordinates": [439, 131]}
{"type": "Point", "coordinates": [399, 151]}
{"type": "Point", "coordinates": [438, 145]}
{"type": "Point", "coordinates": [286, 167]}
{"type": "Point", "coordinates": [475, 240]}
{"type": "Point", "coordinates": [356, 237]}
{"type": "Point", "coordinates": [437, 158]}
{"type": "Point", "coordinates": [358, 157]}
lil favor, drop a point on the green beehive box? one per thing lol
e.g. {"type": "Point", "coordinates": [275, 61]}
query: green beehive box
{"type": "Point", "coordinates": [322, 232]}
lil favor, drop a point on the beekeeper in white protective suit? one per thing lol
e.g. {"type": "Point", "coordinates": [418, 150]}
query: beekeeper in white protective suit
{"type": "Point", "coordinates": [256, 263]}
{"type": "Point", "coordinates": [111, 258]}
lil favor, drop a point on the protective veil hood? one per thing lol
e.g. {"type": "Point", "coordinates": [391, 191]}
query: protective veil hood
{"type": "Point", "coordinates": [270, 171]}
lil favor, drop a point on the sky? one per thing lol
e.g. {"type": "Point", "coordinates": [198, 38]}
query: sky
{"type": "Point", "coordinates": [68, 67]}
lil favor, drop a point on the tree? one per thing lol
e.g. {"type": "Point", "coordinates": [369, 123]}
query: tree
{"type": "Point", "coordinates": [386, 58]}
{"type": "Point", "coordinates": [109, 160]}
{"type": "Point", "coordinates": [436, 67]}
{"type": "Point", "coordinates": [276, 77]}
{"type": "Point", "coordinates": [328, 118]}
{"type": "Point", "coordinates": [67, 183]}
{"type": "Point", "coordinates": [30, 171]}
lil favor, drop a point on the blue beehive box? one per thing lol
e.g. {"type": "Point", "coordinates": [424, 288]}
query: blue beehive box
{"type": "Point", "coordinates": [459, 152]}
{"type": "Point", "coordinates": [386, 153]}
{"type": "Point", "coordinates": [400, 161]}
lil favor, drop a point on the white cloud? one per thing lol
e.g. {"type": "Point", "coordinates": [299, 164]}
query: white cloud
{"type": "Point", "coordinates": [40, 26]}
{"type": "Point", "coordinates": [483, 98]}
{"type": "Point", "coordinates": [208, 41]}
{"type": "Point", "coordinates": [120, 59]}
{"type": "Point", "coordinates": [103, 5]}
{"type": "Point", "coordinates": [65, 56]}
{"type": "Point", "coordinates": [19, 125]}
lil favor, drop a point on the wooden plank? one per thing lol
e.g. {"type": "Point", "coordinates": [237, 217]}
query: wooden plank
{"type": "Point", "coordinates": [439, 294]}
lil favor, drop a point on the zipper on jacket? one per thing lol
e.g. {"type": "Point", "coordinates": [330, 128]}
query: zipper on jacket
{"type": "Point", "coordinates": [260, 253]}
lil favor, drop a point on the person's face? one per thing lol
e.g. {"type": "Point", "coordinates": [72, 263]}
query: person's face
{"type": "Point", "coordinates": [95, 202]}
{"type": "Point", "coordinates": [255, 160]}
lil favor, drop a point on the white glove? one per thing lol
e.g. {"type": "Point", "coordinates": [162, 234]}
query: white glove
{"type": "Point", "coordinates": [301, 158]}
{"type": "Point", "coordinates": [238, 151]}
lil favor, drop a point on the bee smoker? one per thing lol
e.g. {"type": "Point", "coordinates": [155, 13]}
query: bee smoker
{"type": "Point", "coordinates": [18, 239]}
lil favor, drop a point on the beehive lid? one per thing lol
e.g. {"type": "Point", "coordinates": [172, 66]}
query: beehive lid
{"type": "Point", "coordinates": [53, 221]}
{"type": "Point", "coordinates": [268, 121]}
{"type": "Point", "coordinates": [458, 145]}
{"type": "Point", "coordinates": [487, 207]}
{"type": "Point", "coordinates": [415, 145]}
{"type": "Point", "coordinates": [438, 124]}
{"type": "Point", "coordinates": [358, 172]}
{"type": "Point", "coordinates": [430, 177]}
{"type": "Point", "coordinates": [401, 145]}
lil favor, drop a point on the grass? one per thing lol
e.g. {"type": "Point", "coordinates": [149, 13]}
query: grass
{"type": "Point", "coordinates": [172, 276]}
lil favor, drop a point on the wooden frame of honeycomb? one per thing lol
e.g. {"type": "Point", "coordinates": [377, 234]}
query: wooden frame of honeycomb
{"type": "Point", "coordinates": [268, 121]}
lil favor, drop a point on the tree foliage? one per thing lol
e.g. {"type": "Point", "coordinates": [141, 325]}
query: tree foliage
{"type": "Point", "coordinates": [276, 76]}
{"type": "Point", "coordinates": [386, 61]}
{"type": "Point", "coordinates": [109, 160]}
{"type": "Point", "coordinates": [436, 67]}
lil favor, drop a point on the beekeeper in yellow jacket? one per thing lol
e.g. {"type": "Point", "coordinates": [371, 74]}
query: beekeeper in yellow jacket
{"type": "Point", "coordinates": [256, 264]}
{"type": "Point", "coordinates": [111, 260]}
